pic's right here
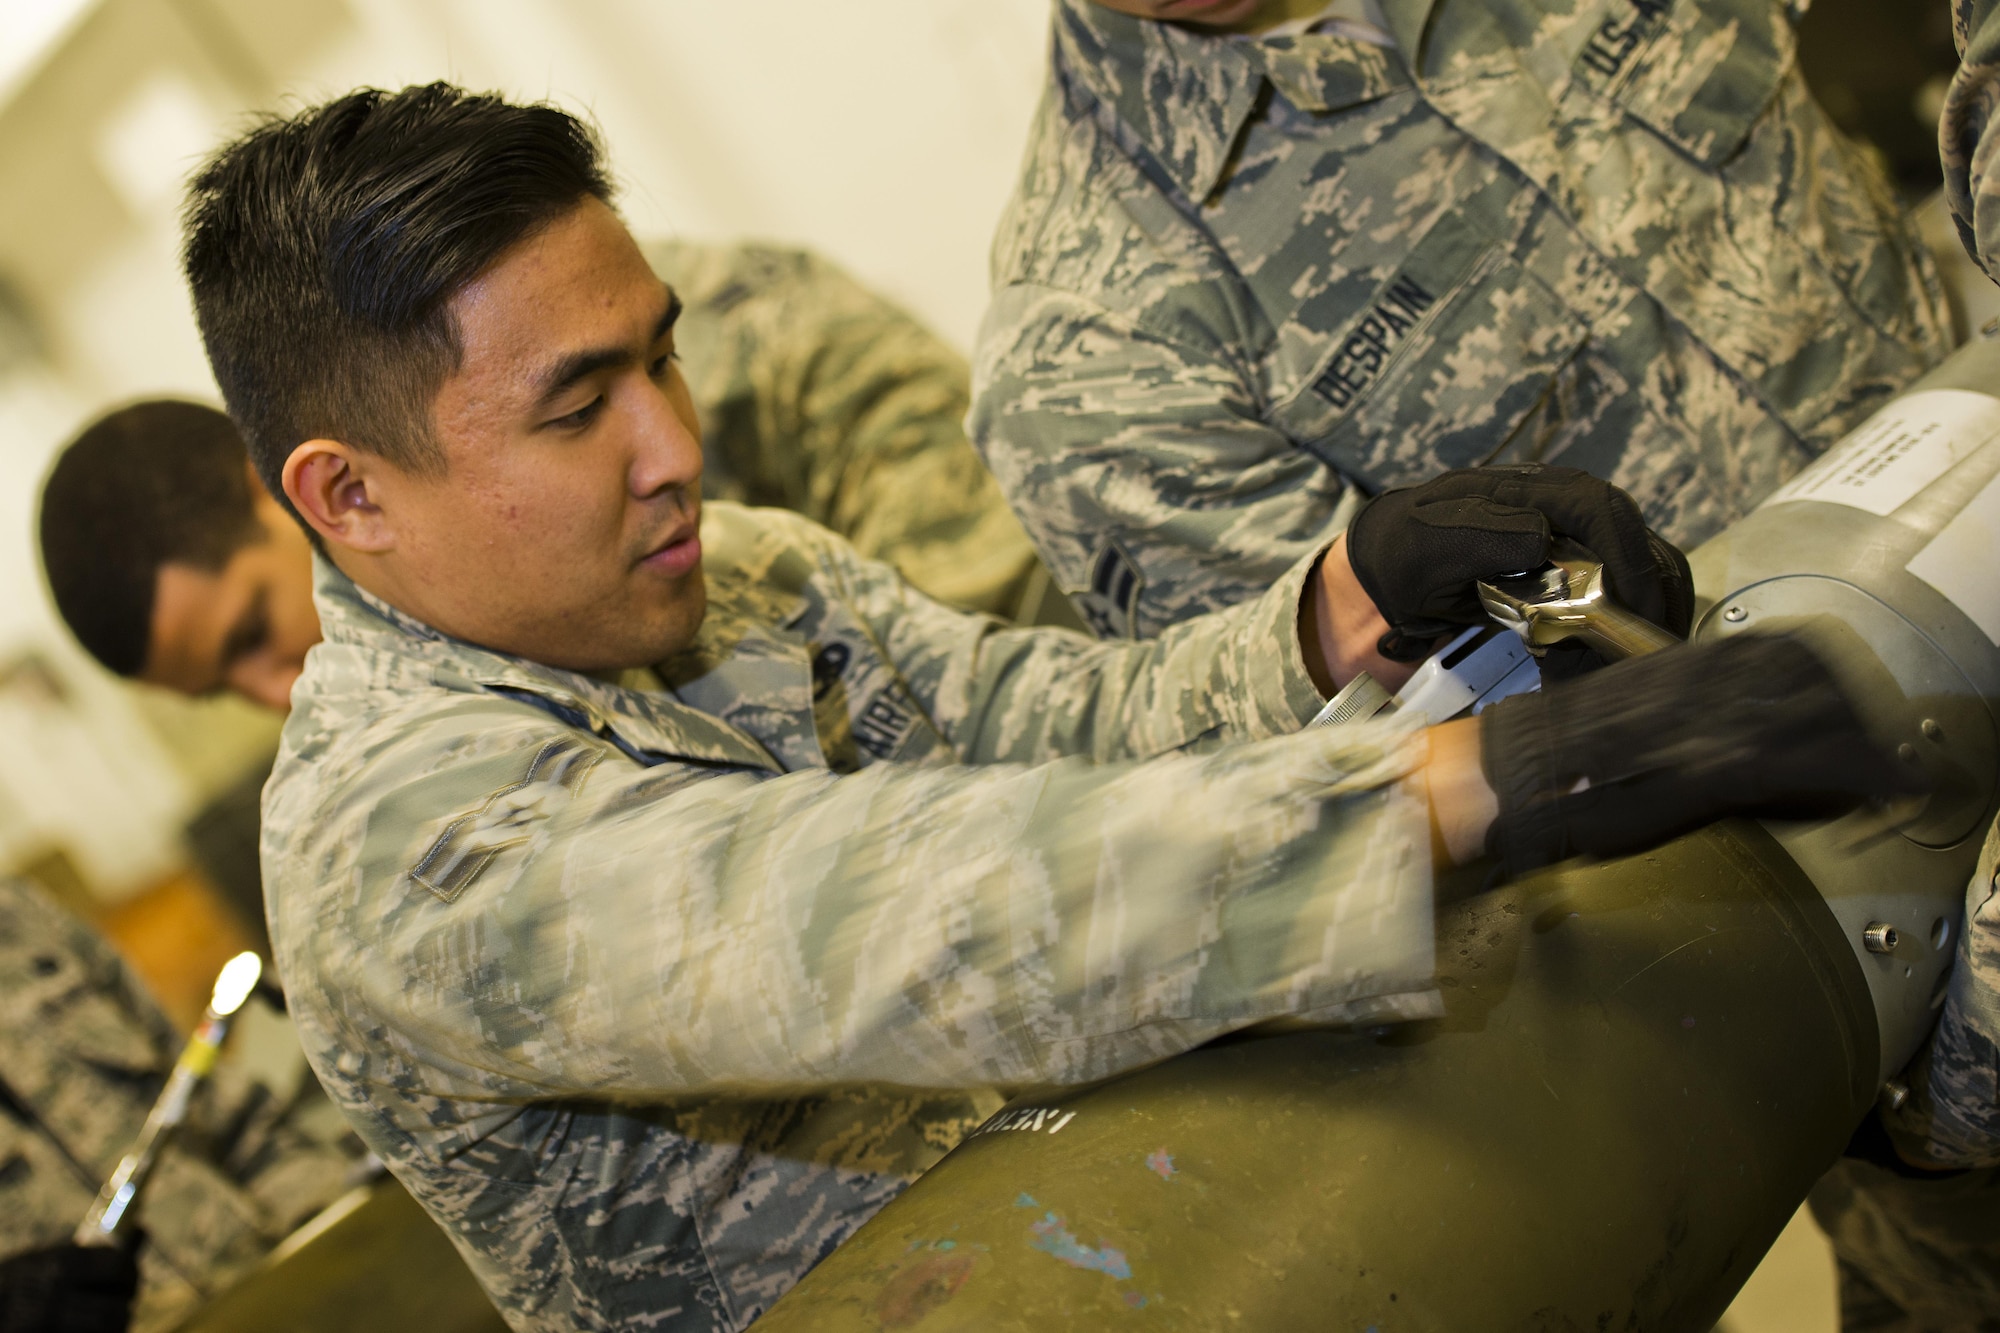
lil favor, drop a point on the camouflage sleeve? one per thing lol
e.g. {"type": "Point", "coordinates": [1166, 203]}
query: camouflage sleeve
{"type": "Point", "coordinates": [1967, 140]}
{"type": "Point", "coordinates": [818, 396]}
{"type": "Point", "coordinates": [1139, 461]}
{"type": "Point", "coordinates": [690, 930]}
{"type": "Point", "coordinates": [1032, 695]}
{"type": "Point", "coordinates": [1952, 1116]}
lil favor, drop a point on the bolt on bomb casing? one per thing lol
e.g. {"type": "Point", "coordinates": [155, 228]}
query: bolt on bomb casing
{"type": "Point", "coordinates": [1644, 1063]}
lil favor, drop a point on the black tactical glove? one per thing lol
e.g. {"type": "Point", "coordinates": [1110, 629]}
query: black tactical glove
{"type": "Point", "coordinates": [1418, 552]}
{"type": "Point", "coordinates": [1625, 758]}
{"type": "Point", "coordinates": [68, 1289]}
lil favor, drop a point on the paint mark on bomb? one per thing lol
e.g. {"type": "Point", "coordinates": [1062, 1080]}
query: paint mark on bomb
{"type": "Point", "coordinates": [1161, 1163]}
{"type": "Point", "coordinates": [1052, 1237]}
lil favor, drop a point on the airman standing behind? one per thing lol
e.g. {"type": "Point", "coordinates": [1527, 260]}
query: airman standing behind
{"type": "Point", "coordinates": [1266, 257]}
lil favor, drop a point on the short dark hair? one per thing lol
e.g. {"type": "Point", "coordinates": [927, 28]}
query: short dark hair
{"type": "Point", "coordinates": [159, 482]}
{"type": "Point", "coordinates": [323, 251]}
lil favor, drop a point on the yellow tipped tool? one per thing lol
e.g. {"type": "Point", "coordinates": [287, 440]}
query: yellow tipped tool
{"type": "Point", "coordinates": [100, 1226]}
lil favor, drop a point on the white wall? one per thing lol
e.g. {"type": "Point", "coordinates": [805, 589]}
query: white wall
{"type": "Point", "coordinates": [885, 134]}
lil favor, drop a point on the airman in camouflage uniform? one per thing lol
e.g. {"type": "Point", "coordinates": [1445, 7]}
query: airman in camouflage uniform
{"type": "Point", "coordinates": [1920, 1252]}
{"type": "Point", "coordinates": [1243, 278]}
{"type": "Point", "coordinates": [818, 396]}
{"type": "Point", "coordinates": [652, 990]}
{"type": "Point", "coordinates": [83, 1053]}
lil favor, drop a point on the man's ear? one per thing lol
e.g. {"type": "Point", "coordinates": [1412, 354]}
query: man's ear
{"type": "Point", "coordinates": [334, 487]}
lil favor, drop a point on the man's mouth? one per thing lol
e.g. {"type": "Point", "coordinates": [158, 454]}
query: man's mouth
{"type": "Point", "coordinates": [677, 555]}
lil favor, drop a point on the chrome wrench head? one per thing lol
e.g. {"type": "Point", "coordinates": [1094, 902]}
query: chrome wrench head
{"type": "Point", "coordinates": [1567, 599]}
{"type": "Point", "coordinates": [1547, 605]}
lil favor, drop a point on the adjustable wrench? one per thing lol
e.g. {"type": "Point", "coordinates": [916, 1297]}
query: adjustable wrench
{"type": "Point", "coordinates": [1567, 599]}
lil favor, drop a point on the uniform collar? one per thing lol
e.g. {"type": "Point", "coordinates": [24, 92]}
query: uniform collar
{"type": "Point", "coordinates": [1184, 95]}
{"type": "Point", "coordinates": [370, 644]}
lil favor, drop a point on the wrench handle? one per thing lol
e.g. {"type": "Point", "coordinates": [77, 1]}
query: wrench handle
{"type": "Point", "coordinates": [1616, 632]}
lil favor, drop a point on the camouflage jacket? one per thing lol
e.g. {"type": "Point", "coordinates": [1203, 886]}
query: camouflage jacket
{"type": "Point", "coordinates": [83, 1053]}
{"type": "Point", "coordinates": [1241, 278]}
{"type": "Point", "coordinates": [818, 396]}
{"type": "Point", "coordinates": [652, 990]}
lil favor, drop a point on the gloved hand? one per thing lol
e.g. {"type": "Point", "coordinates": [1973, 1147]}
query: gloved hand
{"type": "Point", "coordinates": [68, 1289]}
{"type": "Point", "coordinates": [1625, 758]}
{"type": "Point", "coordinates": [1418, 552]}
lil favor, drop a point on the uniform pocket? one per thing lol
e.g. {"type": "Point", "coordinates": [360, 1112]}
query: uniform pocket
{"type": "Point", "coordinates": [1443, 365]}
{"type": "Point", "coordinates": [1697, 77]}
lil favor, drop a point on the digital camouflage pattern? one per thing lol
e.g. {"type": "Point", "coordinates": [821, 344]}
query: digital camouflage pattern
{"type": "Point", "coordinates": [654, 990]}
{"type": "Point", "coordinates": [1242, 278]}
{"type": "Point", "coordinates": [83, 1053]}
{"type": "Point", "coordinates": [818, 396]}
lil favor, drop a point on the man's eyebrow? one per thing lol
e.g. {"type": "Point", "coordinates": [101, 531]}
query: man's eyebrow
{"type": "Point", "coordinates": [580, 365]}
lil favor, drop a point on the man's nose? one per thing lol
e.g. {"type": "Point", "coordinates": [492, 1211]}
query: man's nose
{"type": "Point", "coordinates": [269, 684]}
{"type": "Point", "coordinates": [668, 452]}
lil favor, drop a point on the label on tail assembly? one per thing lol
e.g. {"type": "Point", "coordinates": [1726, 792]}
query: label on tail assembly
{"type": "Point", "coordinates": [1897, 452]}
{"type": "Point", "coordinates": [1963, 561]}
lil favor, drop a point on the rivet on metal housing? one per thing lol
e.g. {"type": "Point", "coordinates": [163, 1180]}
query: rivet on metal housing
{"type": "Point", "coordinates": [1932, 731]}
{"type": "Point", "coordinates": [1880, 937]}
{"type": "Point", "coordinates": [1735, 614]}
{"type": "Point", "coordinates": [1894, 1094]}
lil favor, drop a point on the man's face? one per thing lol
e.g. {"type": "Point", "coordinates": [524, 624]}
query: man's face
{"type": "Point", "coordinates": [564, 526]}
{"type": "Point", "coordinates": [1200, 13]}
{"type": "Point", "coordinates": [245, 627]}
